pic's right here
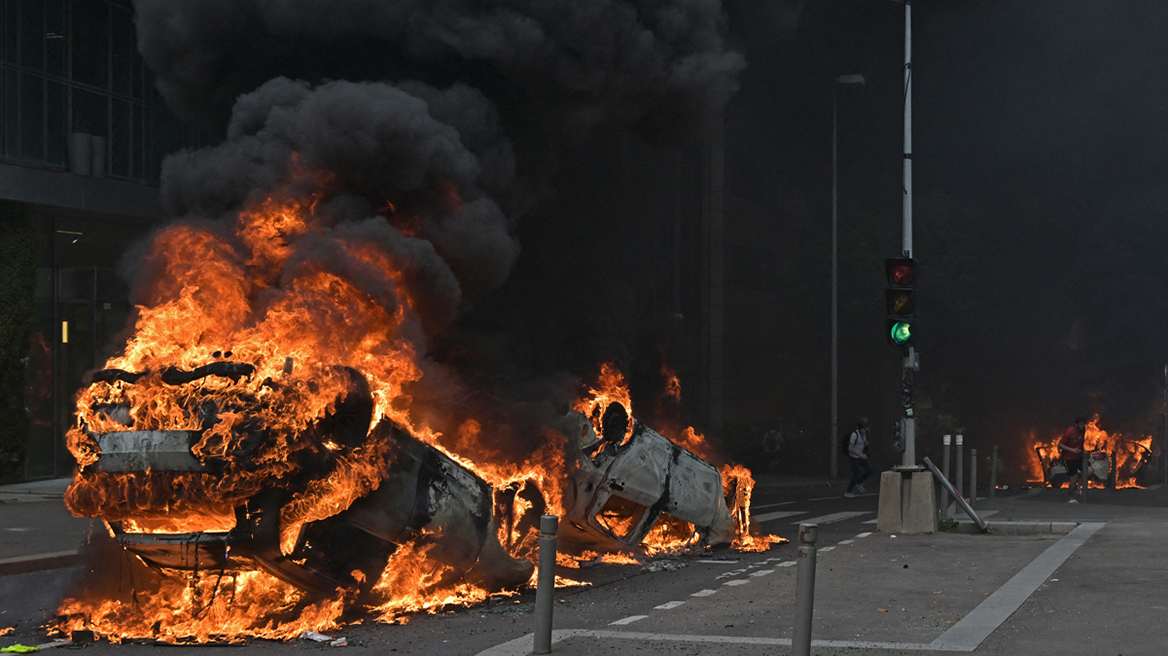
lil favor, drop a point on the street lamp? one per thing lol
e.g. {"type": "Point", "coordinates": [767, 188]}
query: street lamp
{"type": "Point", "coordinates": [834, 439]}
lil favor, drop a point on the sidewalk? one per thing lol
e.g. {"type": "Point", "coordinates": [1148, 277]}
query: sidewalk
{"type": "Point", "coordinates": [37, 532]}
{"type": "Point", "coordinates": [1097, 587]}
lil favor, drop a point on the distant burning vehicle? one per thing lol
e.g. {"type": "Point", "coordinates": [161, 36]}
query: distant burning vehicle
{"type": "Point", "coordinates": [1114, 460]}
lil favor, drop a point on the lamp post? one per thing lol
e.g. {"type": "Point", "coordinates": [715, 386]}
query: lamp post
{"type": "Point", "coordinates": [834, 436]}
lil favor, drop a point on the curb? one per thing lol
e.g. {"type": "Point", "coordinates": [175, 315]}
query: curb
{"type": "Point", "coordinates": [39, 562]}
{"type": "Point", "coordinates": [1020, 528]}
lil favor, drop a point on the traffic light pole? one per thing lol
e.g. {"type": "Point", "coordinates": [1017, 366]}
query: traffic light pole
{"type": "Point", "coordinates": [911, 359]}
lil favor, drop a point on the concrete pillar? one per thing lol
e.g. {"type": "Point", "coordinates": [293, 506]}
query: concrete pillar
{"type": "Point", "coordinates": [915, 514]}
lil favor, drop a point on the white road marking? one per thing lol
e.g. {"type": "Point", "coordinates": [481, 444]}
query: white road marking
{"type": "Point", "coordinates": [737, 582]}
{"type": "Point", "coordinates": [771, 505]}
{"type": "Point", "coordinates": [763, 572]}
{"type": "Point", "coordinates": [669, 605]}
{"type": "Point", "coordinates": [523, 646]}
{"type": "Point", "coordinates": [826, 549]}
{"type": "Point", "coordinates": [846, 541]}
{"type": "Point", "coordinates": [965, 636]}
{"type": "Point", "coordinates": [864, 534]}
{"type": "Point", "coordinates": [789, 563]}
{"type": "Point", "coordinates": [709, 561]}
{"type": "Point", "coordinates": [991, 613]}
{"type": "Point", "coordinates": [833, 518]}
{"type": "Point", "coordinates": [628, 620]}
{"type": "Point", "coordinates": [778, 514]}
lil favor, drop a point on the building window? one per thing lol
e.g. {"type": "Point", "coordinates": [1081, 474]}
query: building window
{"type": "Point", "coordinates": [73, 66]}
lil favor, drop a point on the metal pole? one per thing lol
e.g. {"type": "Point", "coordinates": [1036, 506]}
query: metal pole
{"type": "Point", "coordinates": [960, 477]}
{"type": "Point", "coordinates": [804, 590]}
{"type": "Point", "coordinates": [973, 477]}
{"type": "Point", "coordinates": [1164, 449]}
{"type": "Point", "coordinates": [1083, 473]}
{"type": "Point", "coordinates": [910, 433]}
{"type": "Point", "coordinates": [945, 448]}
{"type": "Point", "coordinates": [834, 279]}
{"type": "Point", "coordinates": [545, 589]}
{"type": "Point", "coordinates": [994, 473]}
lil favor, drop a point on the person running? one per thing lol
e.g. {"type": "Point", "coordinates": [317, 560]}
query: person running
{"type": "Point", "coordinates": [1071, 449]}
{"type": "Point", "coordinates": [858, 458]}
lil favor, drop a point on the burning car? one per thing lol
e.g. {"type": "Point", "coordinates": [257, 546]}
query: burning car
{"type": "Point", "coordinates": [208, 497]}
{"type": "Point", "coordinates": [631, 480]}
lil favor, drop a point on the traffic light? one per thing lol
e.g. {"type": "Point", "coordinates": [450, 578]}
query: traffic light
{"type": "Point", "coordinates": [900, 301]}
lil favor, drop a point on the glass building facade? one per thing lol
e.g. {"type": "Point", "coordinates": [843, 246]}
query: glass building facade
{"type": "Point", "coordinates": [72, 66]}
{"type": "Point", "coordinates": [70, 74]}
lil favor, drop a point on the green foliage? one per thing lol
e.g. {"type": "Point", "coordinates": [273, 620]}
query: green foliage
{"type": "Point", "coordinates": [948, 524]}
{"type": "Point", "coordinates": [17, 289]}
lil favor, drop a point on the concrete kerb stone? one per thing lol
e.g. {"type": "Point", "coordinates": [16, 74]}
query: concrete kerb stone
{"type": "Point", "coordinates": [1019, 527]}
{"type": "Point", "coordinates": [39, 562]}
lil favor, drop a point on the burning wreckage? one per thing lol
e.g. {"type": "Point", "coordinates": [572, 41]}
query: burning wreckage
{"type": "Point", "coordinates": [239, 491]}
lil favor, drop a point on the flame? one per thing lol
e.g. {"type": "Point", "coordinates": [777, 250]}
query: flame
{"type": "Point", "coordinates": [670, 535]}
{"type": "Point", "coordinates": [296, 306]}
{"type": "Point", "coordinates": [1126, 456]}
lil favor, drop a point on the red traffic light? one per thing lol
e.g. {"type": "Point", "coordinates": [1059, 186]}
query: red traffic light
{"type": "Point", "coordinates": [902, 273]}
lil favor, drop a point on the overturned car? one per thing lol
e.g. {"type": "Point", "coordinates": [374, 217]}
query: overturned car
{"type": "Point", "coordinates": [320, 508]}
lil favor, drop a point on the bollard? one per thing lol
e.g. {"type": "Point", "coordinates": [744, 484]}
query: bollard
{"type": "Point", "coordinates": [973, 478]}
{"type": "Point", "coordinates": [545, 588]}
{"type": "Point", "coordinates": [804, 590]}
{"type": "Point", "coordinates": [994, 473]}
{"type": "Point", "coordinates": [959, 479]}
{"type": "Point", "coordinates": [1083, 473]}
{"type": "Point", "coordinates": [943, 509]}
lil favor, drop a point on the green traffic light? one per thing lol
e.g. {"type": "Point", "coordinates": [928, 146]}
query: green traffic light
{"type": "Point", "coordinates": [901, 333]}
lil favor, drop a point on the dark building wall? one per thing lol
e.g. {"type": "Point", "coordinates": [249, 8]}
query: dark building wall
{"type": "Point", "coordinates": [83, 138]}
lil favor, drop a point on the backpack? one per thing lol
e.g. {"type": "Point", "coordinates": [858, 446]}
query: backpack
{"type": "Point", "coordinates": [845, 443]}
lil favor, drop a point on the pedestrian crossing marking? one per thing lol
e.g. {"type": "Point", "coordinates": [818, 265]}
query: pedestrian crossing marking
{"type": "Point", "coordinates": [833, 518]}
{"type": "Point", "coordinates": [778, 514]}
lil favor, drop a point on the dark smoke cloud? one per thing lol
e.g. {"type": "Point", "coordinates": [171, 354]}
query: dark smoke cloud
{"type": "Point", "coordinates": [653, 64]}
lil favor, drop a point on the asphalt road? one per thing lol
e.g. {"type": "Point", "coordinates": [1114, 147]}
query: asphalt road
{"type": "Point", "coordinates": [875, 593]}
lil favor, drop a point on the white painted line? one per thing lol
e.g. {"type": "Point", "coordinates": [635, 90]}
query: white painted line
{"type": "Point", "coordinates": [870, 521]}
{"type": "Point", "coordinates": [778, 514]}
{"type": "Point", "coordinates": [703, 593]}
{"type": "Point", "coordinates": [834, 517]}
{"type": "Point", "coordinates": [523, 646]}
{"type": "Point", "coordinates": [718, 562]}
{"type": "Point", "coordinates": [789, 563]}
{"type": "Point", "coordinates": [763, 572]}
{"type": "Point", "coordinates": [628, 620]}
{"type": "Point", "coordinates": [669, 605]}
{"type": "Point", "coordinates": [864, 534]}
{"type": "Point", "coordinates": [991, 613]}
{"type": "Point", "coordinates": [737, 582]}
{"type": "Point", "coordinates": [826, 549]}
{"type": "Point", "coordinates": [1157, 486]}
{"type": "Point", "coordinates": [845, 542]}
{"type": "Point", "coordinates": [770, 505]}
{"type": "Point", "coordinates": [825, 498]}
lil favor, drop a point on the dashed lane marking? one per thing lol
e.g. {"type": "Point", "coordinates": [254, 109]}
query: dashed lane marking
{"type": "Point", "coordinates": [763, 572]}
{"type": "Point", "coordinates": [846, 541]}
{"type": "Point", "coordinates": [669, 605]}
{"type": "Point", "coordinates": [703, 593]}
{"type": "Point", "coordinates": [737, 582]}
{"type": "Point", "coordinates": [833, 518]}
{"type": "Point", "coordinates": [789, 563]}
{"type": "Point", "coordinates": [864, 534]}
{"type": "Point", "coordinates": [628, 620]}
{"type": "Point", "coordinates": [826, 549]}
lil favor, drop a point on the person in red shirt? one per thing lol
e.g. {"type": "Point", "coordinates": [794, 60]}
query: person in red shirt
{"type": "Point", "coordinates": [1071, 448]}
